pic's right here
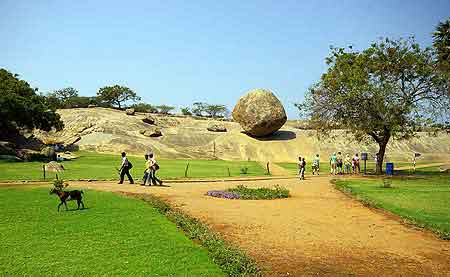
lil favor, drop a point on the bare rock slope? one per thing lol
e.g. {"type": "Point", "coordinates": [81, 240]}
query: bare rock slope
{"type": "Point", "coordinates": [107, 130]}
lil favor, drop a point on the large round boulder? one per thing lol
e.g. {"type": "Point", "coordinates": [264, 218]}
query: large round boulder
{"type": "Point", "coordinates": [259, 112]}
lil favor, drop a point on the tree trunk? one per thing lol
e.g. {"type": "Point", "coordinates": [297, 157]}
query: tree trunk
{"type": "Point", "coordinates": [380, 156]}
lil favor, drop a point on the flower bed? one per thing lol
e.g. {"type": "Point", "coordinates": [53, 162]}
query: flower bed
{"type": "Point", "coordinates": [243, 192]}
{"type": "Point", "coordinates": [223, 194]}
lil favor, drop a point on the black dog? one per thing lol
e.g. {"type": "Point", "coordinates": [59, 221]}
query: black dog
{"type": "Point", "coordinates": [68, 196]}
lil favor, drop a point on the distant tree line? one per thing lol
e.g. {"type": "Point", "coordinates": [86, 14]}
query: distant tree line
{"type": "Point", "coordinates": [206, 110]}
{"type": "Point", "coordinates": [118, 96]}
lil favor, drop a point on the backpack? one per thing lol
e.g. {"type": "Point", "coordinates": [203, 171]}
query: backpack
{"type": "Point", "coordinates": [130, 165]}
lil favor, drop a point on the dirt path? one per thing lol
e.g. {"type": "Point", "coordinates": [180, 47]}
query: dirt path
{"type": "Point", "coordinates": [318, 231]}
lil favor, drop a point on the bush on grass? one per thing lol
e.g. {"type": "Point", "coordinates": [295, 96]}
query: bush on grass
{"type": "Point", "coordinates": [243, 192]}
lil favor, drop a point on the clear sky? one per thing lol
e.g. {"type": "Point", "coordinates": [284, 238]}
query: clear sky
{"type": "Point", "coordinates": [180, 52]}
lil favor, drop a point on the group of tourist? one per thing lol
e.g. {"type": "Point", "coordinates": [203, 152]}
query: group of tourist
{"type": "Point", "coordinates": [339, 164]}
{"type": "Point", "coordinates": [151, 167]}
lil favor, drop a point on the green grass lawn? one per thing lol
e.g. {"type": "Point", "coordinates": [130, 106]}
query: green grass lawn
{"type": "Point", "coordinates": [325, 167]}
{"type": "Point", "coordinates": [114, 236]}
{"type": "Point", "coordinates": [92, 165]}
{"type": "Point", "coordinates": [424, 200]}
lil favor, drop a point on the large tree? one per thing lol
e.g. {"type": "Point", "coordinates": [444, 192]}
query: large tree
{"type": "Point", "coordinates": [117, 95]}
{"type": "Point", "coordinates": [441, 42]}
{"type": "Point", "coordinates": [379, 93]}
{"type": "Point", "coordinates": [62, 98]}
{"type": "Point", "coordinates": [216, 110]}
{"type": "Point", "coordinates": [22, 107]}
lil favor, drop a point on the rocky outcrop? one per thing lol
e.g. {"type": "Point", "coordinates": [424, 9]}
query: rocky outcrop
{"type": "Point", "coordinates": [260, 113]}
{"type": "Point", "coordinates": [152, 132]}
{"type": "Point", "coordinates": [214, 127]}
{"type": "Point", "coordinates": [130, 111]}
{"type": "Point", "coordinates": [148, 119]}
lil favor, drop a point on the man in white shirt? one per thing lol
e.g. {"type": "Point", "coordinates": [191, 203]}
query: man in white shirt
{"type": "Point", "coordinates": [125, 169]}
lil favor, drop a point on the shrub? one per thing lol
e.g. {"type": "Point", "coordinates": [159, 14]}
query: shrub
{"type": "Point", "coordinates": [164, 109]}
{"type": "Point", "coordinates": [243, 192]}
{"type": "Point", "coordinates": [186, 111]}
{"type": "Point", "coordinates": [387, 183]}
{"type": "Point", "coordinates": [144, 108]}
{"type": "Point", "coordinates": [244, 170]}
{"type": "Point", "coordinates": [59, 184]}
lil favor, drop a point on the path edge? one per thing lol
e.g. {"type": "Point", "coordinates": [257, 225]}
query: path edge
{"type": "Point", "coordinates": [374, 206]}
{"type": "Point", "coordinates": [230, 258]}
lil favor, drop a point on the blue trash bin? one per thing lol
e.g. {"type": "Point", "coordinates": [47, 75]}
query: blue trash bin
{"type": "Point", "coordinates": [390, 169]}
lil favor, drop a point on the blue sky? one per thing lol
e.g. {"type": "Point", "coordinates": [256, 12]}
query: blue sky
{"type": "Point", "coordinates": [180, 52]}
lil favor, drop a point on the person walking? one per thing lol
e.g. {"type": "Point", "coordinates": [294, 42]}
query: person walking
{"type": "Point", "coordinates": [333, 161]}
{"type": "Point", "coordinates": [302, 171]}
{"type": "Point", "coordinates": [347, 164]}
{"type": "Point", "coordinates": [356, 167]}
{"type": "Point", "coordinates": [299, 165]}
{"type": "Point", "coordinates": [146, 177]}
{"type": "Point", "coordinates": [153, 168]}
{"type": "Point", "coordinates": [125, 169]}
{"type": "Point", "coordinates": [316, 165]}
{"type": "Point", "coordinates": [339, 163]}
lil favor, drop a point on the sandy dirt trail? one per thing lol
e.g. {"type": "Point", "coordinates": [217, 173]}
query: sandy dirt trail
{"type": "Point", "coordinates": [318, 231]}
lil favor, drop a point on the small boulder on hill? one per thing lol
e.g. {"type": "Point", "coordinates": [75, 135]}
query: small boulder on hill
{"type": "Point", "coordinates": [130, 111]}
{"type": "Point", "coordinates": [153, 132]}
{"type": "Point", "coordinates": [92, 106]}
{"type": "Point", "coordinates": [148, 119]}
{"type": "Point", "coordinates": [214, 127]}
{"type": "Point", "coordinates": [260, 113]}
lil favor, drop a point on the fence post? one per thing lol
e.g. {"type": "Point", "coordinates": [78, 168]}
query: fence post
{"type": "Point", "coordinates": [229, 174]}
{"type": "Point", "coordinates": [268, 170]}
{"type": "Point", "coordinates": [43, 169]}
{"type": "Point", "coordinates": [186, 170]}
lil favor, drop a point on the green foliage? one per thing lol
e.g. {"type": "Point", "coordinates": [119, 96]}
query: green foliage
{"type": "Point", "coordinates": [63, 98]}
{"type": "Point", "coordinates": [441, 43]}
{"type": "Point", "coordinates": [144, 108]}
{"type": "Point", "coordinates": [198, 108]}
{"type": "Point", "coordinates": [423, 201]}
{"type": "Point", "coordinates": [244, 170]}
{"type": "Point", "coordinates": [380, 92]}
{"type": "Point", "coordinates": [216, 111]}
{"type": "Point", "coordinates": [205, 109]}
{"type": "Point", "coordinates": [232, 261]}
{"type": "Point", "coordinates": [59, 184]}
{"type": "Point", "coordinates": [164, 109]}
{"type": "Point", "coordinates": [186, 111]}
{"type": "Point", "coordinates": [21, 107]}
{"type": "Point", "coordinates": [260, 193]}
{"type": "Point", "coordinates": [115, 235]}
{"type": "Point", "coordinates": [116, 95]}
